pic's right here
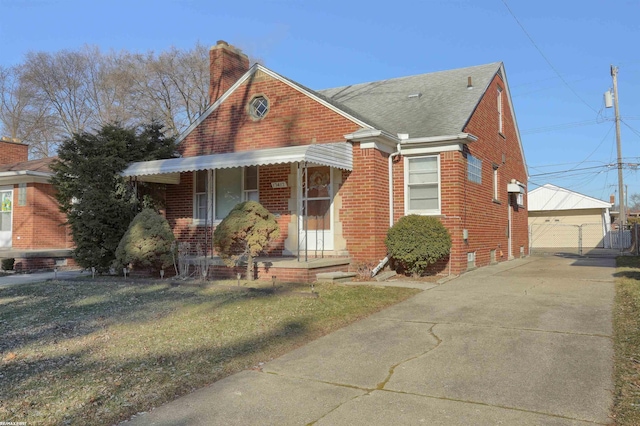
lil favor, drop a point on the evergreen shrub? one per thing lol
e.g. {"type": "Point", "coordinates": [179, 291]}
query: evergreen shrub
{"type": "Point", "coordinates": [146, 244]}
{"type": "Point", "coordinates": [244, 233]}
{"type": "Point", "coordinates": [415, 242]}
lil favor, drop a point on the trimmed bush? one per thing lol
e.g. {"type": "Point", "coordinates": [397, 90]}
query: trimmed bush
{"type": "Point", "coordinates": [415, 242]}
{"type": "Point", "coordinates": [146, 244]}
{"type": "Point", "coordinates": [8, 264]}
{"type": "Point", "coordinates": [244, 233]}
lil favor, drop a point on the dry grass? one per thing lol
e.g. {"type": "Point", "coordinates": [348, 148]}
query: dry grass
{"type": "Point", "coordinates": [98, 351]}
{"type": "Point", "coordinates": [626, 322]}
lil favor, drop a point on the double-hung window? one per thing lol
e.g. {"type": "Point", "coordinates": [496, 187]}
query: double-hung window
{"type": "Point", "coordinates": [422, 185]}
{"type": "Point", "coordinates": [216, 192]}
{"type": "Point", "coordinates": [500, 124]}
{"type": "Point", "coordinates": [496, 183]}
{"type": "Point", "coordinates": [474, 169]}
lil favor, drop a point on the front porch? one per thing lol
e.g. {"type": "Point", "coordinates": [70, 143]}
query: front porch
{"type": "Point", "coordinates": [281, 269]}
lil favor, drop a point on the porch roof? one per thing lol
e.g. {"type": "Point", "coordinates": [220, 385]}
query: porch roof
{"type": "Point", "coordinates": [337, 154]}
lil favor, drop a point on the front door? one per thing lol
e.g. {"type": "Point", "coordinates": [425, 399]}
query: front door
{"type": "Point", "coordinates": [316, 230]}
{"type": "Point", "coordinates": [6, 209]}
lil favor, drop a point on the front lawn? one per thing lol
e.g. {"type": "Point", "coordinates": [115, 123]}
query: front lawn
{"type": "Point", "coordinates": [95, 352]}
{"type": "Point", "coordinates": [626, 323]}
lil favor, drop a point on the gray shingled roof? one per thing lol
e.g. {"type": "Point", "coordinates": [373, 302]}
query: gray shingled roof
{"type": "Point", "coordinates": [444, 106]}
{"type": "Point", "coordinates": [40, 165]}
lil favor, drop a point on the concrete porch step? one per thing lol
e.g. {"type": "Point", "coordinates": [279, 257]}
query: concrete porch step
{"type": "Point", "coordinates": [335, 277]}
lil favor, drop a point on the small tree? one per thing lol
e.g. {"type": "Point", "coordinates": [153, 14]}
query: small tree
{"type": "Point", "coordinates": [415, 242]}
{"type": "Point", "coordinates": [147, 243]}
{"type": "Point", "coordinates": [244, 233]}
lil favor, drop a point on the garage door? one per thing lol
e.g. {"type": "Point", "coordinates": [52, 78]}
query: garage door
{"type": "Point", "coordinates": [565, 237]}
{"type": "Point", "coordinates": [551, 235]}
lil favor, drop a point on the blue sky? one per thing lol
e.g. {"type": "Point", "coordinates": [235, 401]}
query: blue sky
{"type": "Point", "coordinates": [557, 74]}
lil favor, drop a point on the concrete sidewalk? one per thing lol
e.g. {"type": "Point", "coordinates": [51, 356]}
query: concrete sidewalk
{"type": "Point", "coordinates": [35, 277]}
{"type": "Point", "coordinates": [526, 342]}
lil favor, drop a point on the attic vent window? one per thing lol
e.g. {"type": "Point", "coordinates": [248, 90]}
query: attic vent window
{"type": "Point", "coordinates": [259, 107]}
{"type": "Point", "coordinates": [415, 95]}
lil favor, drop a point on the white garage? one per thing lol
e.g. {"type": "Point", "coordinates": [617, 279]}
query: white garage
{"type": "Point", "coordinates": [567, 220]}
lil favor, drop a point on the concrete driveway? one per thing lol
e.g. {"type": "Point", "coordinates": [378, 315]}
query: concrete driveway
{"type": "Point", "coordinates": [526, 342]}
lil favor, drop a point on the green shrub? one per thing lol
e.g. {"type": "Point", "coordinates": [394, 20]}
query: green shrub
{"type": "Point", "coordinates": [146, 244]}
{"type": "Point", "coordinates": [8, 264]}
{"type": "Point", "coordinates": [244, 233]}
{"type": "Point", "coordinates": [415, 242]}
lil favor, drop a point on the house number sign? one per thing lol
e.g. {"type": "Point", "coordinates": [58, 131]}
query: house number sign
{"type": "Point", "coordinates": [278, 184]}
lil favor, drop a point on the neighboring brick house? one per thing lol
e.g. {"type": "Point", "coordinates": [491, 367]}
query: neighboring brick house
{"type": "Point", "coordinates": [333, 164]}
{"type": "Point", "coordinates": [31, 225]}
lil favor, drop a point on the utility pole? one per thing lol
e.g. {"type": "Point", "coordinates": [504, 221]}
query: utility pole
{"type": "Point", "coordinates": [623, 216]}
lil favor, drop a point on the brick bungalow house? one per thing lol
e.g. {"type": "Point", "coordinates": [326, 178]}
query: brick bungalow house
{"type": "Point", "coordinates": [339, 166]}
{"type": "Point", "coordinates": [32, 227]}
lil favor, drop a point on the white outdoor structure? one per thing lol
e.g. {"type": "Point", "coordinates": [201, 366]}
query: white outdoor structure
{"type": "Point", "coordinates": [560, 218]}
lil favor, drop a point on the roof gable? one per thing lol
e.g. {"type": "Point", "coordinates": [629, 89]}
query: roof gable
{"type": "Point", "coordinates": [332, 105]}
{"type": "Point", "coordinates": [551, 197]}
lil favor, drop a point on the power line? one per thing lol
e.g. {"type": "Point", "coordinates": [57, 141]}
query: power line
{"type": "Point", "coordinates": [562, 126]}
{"type": "Point", "coordinates": [574, 170]}
{"type": "Point", "coordinates": [545, 57]}
{"type": "Point", "coordinates": [630, 128]}
{"type": "Point", "coordinates": [562, 164]}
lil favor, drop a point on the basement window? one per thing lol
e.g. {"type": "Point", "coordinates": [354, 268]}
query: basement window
{"type": "Point", "coordinates": [471, 260]}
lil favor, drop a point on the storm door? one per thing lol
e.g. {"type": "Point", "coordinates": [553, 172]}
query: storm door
{"type": "Point", "coordinates": [316, 230]}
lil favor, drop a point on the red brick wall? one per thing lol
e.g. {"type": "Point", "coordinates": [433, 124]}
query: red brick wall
{"type": "Point", "coordinates": [468, 205]}
{"type": "Point", "coordinates": [13, 152]}
{"type": "Point", "coordinates": [485, 219]}
{"type": "Point", "coordinates": [365, 205]}
{"type": "Point", "coordinates": [179, 211]}
{"type": "Point", "coordinates": [40, 263]}
{"type": "Point", "coordinates": [281, 274]}
{"type": "Point", "coordinates": [293, 119]}
{"type": "Point", "coordinates": [39, 224]}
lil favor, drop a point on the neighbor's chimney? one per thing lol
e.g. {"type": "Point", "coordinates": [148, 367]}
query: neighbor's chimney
{"type": "Point", "coordinates": [13, 151]}
{"type": "Point", "coordinates": [226, 65]}
{"type": "Point", "coordinates": [612, 199]}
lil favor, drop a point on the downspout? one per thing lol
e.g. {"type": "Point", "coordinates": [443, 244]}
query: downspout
{"type": "Point", "coordinates": [395, 154]}
{"type": "Point", "coordinates": [384, 261]}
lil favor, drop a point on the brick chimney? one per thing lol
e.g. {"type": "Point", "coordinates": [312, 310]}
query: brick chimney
{"type": "Point", "coordinates": [612, 199]}
{"type": "Point", "coordinates": [226, 65]}
{"type": "Point", "coordinates": [13, 151]}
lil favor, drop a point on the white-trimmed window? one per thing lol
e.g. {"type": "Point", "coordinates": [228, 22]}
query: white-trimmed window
{"type": "Point", "coordinates": [22, 194]}
{"type": "Point", "coordinates": [495, 183]}
{"type": "Point", "coordinates": [201, 184]}
{"type": "Point", "coordinates": [500, 110]}
{"type": "Point", "coordinates": [218, 191]}
{"type": "Point", "coordinates": [474, 169]}
{"type": "Point", "coordinates": [422, 185]}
